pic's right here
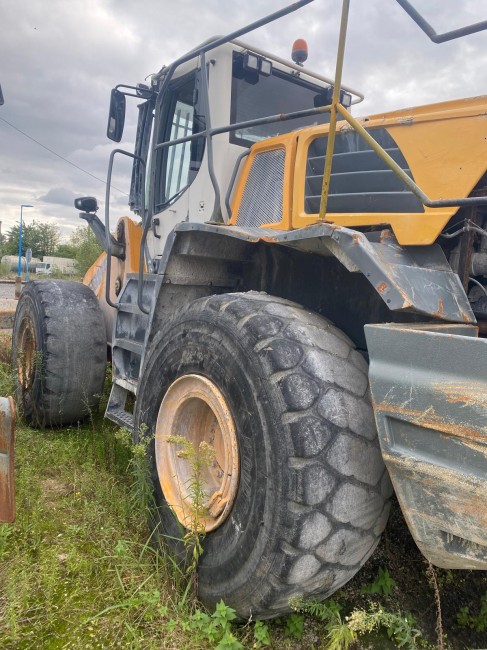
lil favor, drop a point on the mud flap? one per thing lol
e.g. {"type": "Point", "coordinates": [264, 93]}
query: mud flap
{"type": "Point", "coordinates": [7, 429]}
{"type": "Point", "coordinates": [429, 388]}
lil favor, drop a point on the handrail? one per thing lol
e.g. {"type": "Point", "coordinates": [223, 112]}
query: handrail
{"type": "Point", "coordinates": [336, 108]}
{"type": "Point", "coordinates": [430, 32]}
{"type": "Point", "coordinates": [107, 229]}
{"type": "Point", "coordinates": [205, 98]}
{"type": "Point", "coordinates": [231, 183]}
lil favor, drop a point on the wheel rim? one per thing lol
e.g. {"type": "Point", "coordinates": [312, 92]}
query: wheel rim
{"type": "Point", "coordinates": [197, 453]}
{"type": "Point", "coordinates": [26, 355]}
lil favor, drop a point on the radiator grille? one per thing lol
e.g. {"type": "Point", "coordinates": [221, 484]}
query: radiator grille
{"type": "Point", "coordinates": [360, 181]}
{"type": "Point", "coordinates": [262, 197]}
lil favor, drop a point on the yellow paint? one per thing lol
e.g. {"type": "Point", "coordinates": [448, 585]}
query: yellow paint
{"type": "Point", "coordinates": [445, 146]}
{"type": "Point", "coordinates": [335, 104]}
{"type": "Point", "coordinates": [133, 235]}
{"type": "Point", "coordinates": [96, 274]}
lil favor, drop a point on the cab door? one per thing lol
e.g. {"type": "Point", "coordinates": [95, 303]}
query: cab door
{"type": "Point", "coordinates": [176, 166]}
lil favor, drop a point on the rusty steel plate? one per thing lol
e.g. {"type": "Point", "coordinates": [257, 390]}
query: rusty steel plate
{"type": "Point", "coordinates": [429, 389]}
{"type": "Point", "coordinates": [7, 433]}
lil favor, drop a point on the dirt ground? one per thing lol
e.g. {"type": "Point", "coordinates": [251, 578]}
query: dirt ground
{"type": "Point", "coordinates": [414, 591]}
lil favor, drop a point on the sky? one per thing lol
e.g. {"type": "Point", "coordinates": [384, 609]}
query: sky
{"type": "Point", "coordinates": [59, 60]}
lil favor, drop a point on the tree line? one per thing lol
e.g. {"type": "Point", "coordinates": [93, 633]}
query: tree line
{"type": "Point", "coordinates": [45, 239]}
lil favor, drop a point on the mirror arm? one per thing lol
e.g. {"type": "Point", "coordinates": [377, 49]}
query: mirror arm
{"type": "Point", "coordinates": [117, 249]}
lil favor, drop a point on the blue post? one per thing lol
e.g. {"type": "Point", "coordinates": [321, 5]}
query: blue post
{"type": "Point", "coordinates": [19, 267]}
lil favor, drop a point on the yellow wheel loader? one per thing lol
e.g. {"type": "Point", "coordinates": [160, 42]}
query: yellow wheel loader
{"type": "Point", "coordinates": [302, 299]}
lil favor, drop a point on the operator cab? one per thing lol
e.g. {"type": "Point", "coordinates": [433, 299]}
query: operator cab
{"type": "Point", "coordinates": [189, 180]}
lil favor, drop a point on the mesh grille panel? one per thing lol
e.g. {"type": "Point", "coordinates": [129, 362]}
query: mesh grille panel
{"type": "Point", "coordinates": [262, 197]}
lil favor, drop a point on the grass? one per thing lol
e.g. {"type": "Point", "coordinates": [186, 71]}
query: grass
{"type": "Point", "coordinates": [78, 569]}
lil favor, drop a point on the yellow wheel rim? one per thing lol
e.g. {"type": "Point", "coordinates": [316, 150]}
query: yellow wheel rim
{"type": "Point", "coordinates": [26, 353]}
{"type": "Point", "coordinates": [197, 453]}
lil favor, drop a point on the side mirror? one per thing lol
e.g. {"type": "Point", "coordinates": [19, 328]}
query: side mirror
{"type": "Point", "coordinates": [86, 204]}
{"type": "Point", "coordinates": [116, 116]}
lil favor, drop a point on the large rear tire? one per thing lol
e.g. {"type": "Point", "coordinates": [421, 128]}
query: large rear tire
{"type": "Point", "coordinates": [313, 491]}
{"type": "Point", "coordinates": [59, 352]}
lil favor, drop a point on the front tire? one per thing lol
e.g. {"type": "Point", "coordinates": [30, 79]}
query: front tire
{"type": "Point", "coordinates": [313, 491]}
{"type": "Point", "coordinates": [59, 352]}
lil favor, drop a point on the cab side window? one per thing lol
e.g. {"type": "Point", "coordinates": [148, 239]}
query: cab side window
{"type": "Point", "coordinates": [178, 164]}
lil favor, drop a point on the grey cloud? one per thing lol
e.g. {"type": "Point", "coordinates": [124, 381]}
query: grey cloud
{"type": "Point", "coordinates": [57, 77]}
{"type": "Point", "coordinates": [59, 195]}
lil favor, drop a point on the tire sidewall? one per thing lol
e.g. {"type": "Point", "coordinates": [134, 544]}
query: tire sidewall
{"type": "Point", "coordinates": [233, 551]}
{"type": "Point", "coordinates": [313, 489]}
{"type": "Point", "coordinates": [70, 349]}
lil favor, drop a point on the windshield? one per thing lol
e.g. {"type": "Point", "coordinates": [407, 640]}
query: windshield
{"type": "Point", "coordinates": [256, 95]}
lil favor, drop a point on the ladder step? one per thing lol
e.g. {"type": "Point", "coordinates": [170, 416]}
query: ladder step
{"type": "Point", "coordinates": [121, 417]}
{"type": "Point", "coordinates": [116, 408]}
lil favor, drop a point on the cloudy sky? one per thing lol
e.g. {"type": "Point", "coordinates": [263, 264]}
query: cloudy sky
{"type": "Point", "coordinates": [59, 60]}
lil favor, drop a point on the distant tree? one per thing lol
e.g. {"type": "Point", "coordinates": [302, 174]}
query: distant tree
{"type": "Point", "coordinates": [65, 250]}
{"type": "Point", "coordinates": [87, 248]}
{"type": "Point", "coordinates": [11, 242]}
{"type": "Point", "coordinates": [41, 238]}
{"type": "Point", "coordinates": [46, 238]}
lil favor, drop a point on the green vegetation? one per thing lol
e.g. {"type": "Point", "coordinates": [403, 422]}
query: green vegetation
{"type": "Point", "coordinates": [86, 248]}
{"type": "Point", "coordinates": [4, 270]}
{"type": "Point", "coordinates": [475, 620]}
{"type": "Point", "coordinates": [45, 239]}
{"type": "Point", "coordinates": [41, 238]}
{"type": "Point", "coordinates": [383, 584]}
{"type": "Point", "coordinates": [79, 568]}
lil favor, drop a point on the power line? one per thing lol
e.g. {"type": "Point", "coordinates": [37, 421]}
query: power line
{"type": "Point", "coordinates": [59, 155]}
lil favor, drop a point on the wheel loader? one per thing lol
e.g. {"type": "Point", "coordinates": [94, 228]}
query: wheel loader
{"type": "Point", "coordinates": [302, 292]}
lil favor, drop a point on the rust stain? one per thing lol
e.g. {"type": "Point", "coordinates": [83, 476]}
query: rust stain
{"type": "Point", "coordinates": [472, 394]}
{"type": "Point", "coordinates": [407, 303]}
{"type": "Point", "coordinates": [385, 234]}
{"type": "Point", "coordinates": [430, 420]}
{"type": "Point", "coordinates": [356, 237]}
{"type": "Point", "coordinates": [462, 495]}
{"type": "Point", "coordinates": [440, 312]}
{"type": "Point", "coordinates": [440, 503]}
{"type": "Point", "coordinates": [382, 287]}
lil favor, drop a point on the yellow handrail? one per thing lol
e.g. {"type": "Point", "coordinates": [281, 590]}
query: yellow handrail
{"type": "Point", "coordinates": [336, 107]}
